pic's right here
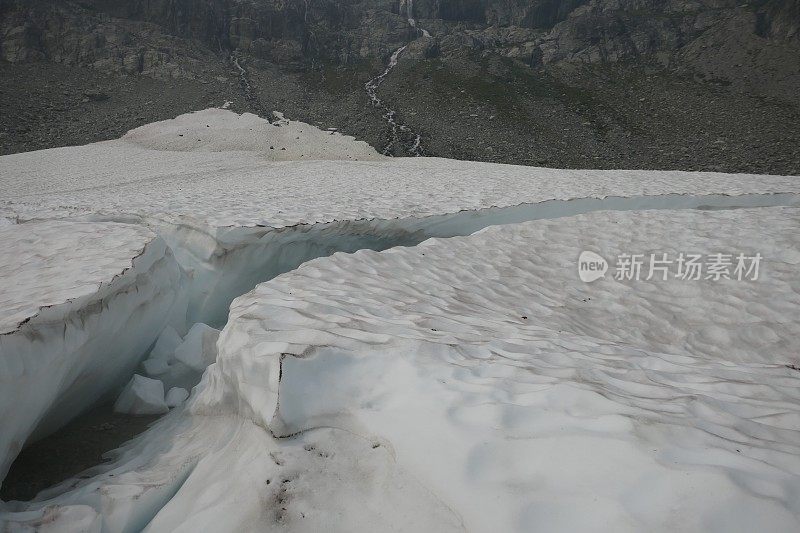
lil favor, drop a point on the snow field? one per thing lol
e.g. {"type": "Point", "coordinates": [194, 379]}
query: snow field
{"type": "Point", "coordinates": [240, 186]}
{"type": "Point", "coordinates": [464, 384]}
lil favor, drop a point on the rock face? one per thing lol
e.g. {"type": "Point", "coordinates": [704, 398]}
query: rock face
{"type": "Point", "coordinates": [167, 36]}
{"type": "Point", "coordinates": [76, 35]}
{"type": "Point", "coordinates": [170, 37]}
{"type": "Point", "coordinates": [670, 31]}
{"type": "Point", "coordinates": [526, 14]}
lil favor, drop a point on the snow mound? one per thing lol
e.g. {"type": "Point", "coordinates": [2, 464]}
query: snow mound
{"type": "Point", "coordinates": [219, 130]}
{"type": "Point", "coordinates": [477, 384]}
{"type": "Point", "coordinates": [81, 305]}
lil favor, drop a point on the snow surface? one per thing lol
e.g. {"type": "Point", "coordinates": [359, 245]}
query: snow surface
{"type": "Point", "coordinates": [238, 184]}
{"type": "Point", "coordinates": [50, 263]}
{"type": "Point", "coordinates": [464, 384]}
{"type": "Point", "coordinates": [527, 400]}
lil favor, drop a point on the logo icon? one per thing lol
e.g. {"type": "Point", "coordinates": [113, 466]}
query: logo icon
{"type": "Point", "coordinates": [591, 266]}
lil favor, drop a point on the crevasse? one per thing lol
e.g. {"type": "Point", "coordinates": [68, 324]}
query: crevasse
{"type": "Point", "coordinates": [211, 267]}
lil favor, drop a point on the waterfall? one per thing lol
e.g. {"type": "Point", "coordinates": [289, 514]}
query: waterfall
{"type": "Point", "coordinates": [411, 21]}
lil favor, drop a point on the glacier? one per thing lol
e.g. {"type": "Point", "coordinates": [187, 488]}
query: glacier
{"type": "Point", "coordinates": [472, 381]}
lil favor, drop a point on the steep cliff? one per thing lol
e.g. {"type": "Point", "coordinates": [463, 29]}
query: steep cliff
{"type": "Point", "coordinates": [138, 35]}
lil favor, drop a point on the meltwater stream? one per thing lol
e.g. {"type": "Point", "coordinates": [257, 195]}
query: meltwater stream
{"type": "Point", "coordinates": [399, 131]}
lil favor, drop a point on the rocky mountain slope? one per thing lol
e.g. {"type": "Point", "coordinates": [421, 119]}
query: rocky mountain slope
{"type": "Point", "coordinates": [694, 84]}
